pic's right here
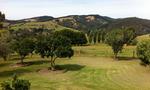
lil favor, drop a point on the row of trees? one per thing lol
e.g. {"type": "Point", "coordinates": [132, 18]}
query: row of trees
{"type": "Point", "coordinates": [96, 36]}
{"type": "Point", "coordinates": [46, 43]}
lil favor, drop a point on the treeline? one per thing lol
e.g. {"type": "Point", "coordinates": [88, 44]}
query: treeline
{"type": "Point", "coordinates": [46, 43]}
{"type": "Point", "coordinates": [96, 36]}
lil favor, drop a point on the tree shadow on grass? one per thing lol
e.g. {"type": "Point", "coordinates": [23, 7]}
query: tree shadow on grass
{"type": "Point", "coordinates": [69, 67]}
{"type": "Point", "coordinates": [10, 73]}
{"type": "Point", "coordinates": [4, 64]}
{"type": "Point", "coordinates": [36, 62]}
{"type": "Point", "coordinates": [126, 58]}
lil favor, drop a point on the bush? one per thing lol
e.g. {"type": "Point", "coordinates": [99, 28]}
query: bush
{"type": "Point", "coordinates": [6, 85]}
{"type": "Point", "coordinates": [21, 85]}
{"type": "Point", "coordinates": [143, 51]}
{"type": "Point", "coordinates": [16, 84]}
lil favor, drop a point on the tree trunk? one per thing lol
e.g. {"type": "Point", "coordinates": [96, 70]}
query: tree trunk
{"type": "Point", "coordinates": [22, 57]}
{"type": "Point", "coordinates": [115, 55]}
{"type": "Point", "coordinates": [5, 58]}
{"type": "Point", "coordinates": [52, 65]}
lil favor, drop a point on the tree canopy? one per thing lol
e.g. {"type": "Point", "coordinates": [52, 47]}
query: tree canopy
{"type": "Point", "coordinates": [76, 37]}
{"type": "Point", "coordinates": [117, 38]}
{"type": "Point", "coordinates": [54, 47]}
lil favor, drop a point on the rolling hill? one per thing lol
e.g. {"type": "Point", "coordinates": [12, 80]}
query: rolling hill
{"type": "Point", "coordinates": [84, 23]}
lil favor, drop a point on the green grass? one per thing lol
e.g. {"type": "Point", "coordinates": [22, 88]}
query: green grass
{"type": "Point", "coordinates": [143, 37]}
{"type": "Point", "coordinates": [92, 68]}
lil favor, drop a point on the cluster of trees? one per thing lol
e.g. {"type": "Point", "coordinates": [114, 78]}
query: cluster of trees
{"type": "Point", "coordinates": [46, 43]}
{"type": "Point", "coordinates": [96, 36]}
{"type": "Point", "coordinates": [2, 18]}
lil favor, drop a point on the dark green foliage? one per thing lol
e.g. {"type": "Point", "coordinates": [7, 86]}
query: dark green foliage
{"type": "Point", "coordinates": [76, 37]}
{"type": "Point", "coordinates": [16, 84]}
{"type": "Point", "coordinates": [6, 85]}
{"type": "Point", "coordinates": [143, 51]}
{"type": "Point", "coordinates": [21, 84]}
{"type": "Point", "coordinates": [117, 38]}
{"type": "Point", "coordinates": [4, 50]}
{"type": "Point", "coordinates": [4, 45]}
{"type": "Point", "coordinates": [54, 47]}
{"type": "Point", "coordinates": [2, 18]}
{"type": "Point", "coordinates": [23, 47]}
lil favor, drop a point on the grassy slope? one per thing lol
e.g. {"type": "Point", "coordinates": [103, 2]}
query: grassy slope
{"type": "Point", "coordinates": [143, 37]}
{"type": "Point", "coordinates": [87, 70]}
{"type": "Point", "coordinates": [48, 25]}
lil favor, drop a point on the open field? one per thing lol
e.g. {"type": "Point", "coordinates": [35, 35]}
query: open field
{"type": "Point", "coordinates": [90, 69]}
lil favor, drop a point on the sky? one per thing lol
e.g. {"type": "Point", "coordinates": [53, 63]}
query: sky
{"type": "Point", "coordinates": [19, 9]}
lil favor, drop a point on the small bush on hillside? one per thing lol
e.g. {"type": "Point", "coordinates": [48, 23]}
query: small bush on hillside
{"type": "Point", "coordinates": [143, 52]}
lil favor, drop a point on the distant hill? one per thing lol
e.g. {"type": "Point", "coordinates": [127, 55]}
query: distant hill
{"type": "Point", "coordinates": [84, 23]}
{"type": "Point", "coordinates": [142, 26]}
{"type": "Point", "coordinates": [33, 19]}
{"type": "Point", "coordinates": [29, 25]}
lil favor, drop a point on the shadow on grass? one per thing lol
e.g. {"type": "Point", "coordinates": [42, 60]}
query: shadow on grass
{"type": "Point", "coordinates": [10, 73]}
{"type": "Point", "coordinates": [36, 62]}
{"type": "Point", "coordinates": [4, 64]}
{"type": "Point", "coordinates": [69, 67]}
{"type": "Point", "coordinates": [126, 58]}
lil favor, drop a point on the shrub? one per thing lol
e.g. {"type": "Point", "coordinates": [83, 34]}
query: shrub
{"type": "Point", "coordinates": [143, 51]}
{"type": "Point", "coordinates": [6, 85]}
{"type": "Point", "coordinates": [16, 84]}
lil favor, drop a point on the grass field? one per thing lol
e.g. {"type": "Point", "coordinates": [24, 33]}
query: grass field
{"type": "Point", "coordinates": [92, 68]}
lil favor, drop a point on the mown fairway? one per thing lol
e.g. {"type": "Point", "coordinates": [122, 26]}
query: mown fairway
{"type": "Point", "coordinates": [92, 68]}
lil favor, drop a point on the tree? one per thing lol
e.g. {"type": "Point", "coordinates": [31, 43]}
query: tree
{"type": "Point", "coordinates": [143, 51]}
{"type": "Point", "coordinates": [76, 37]}
{"type": "Point", "coordinates": [4, 45]}
{"type": "Point", "coordinates": [23, 47]}
{"type": "Point", "coordinates": [54, 47]}
{"type": "Point", "coordinates": [117, 38]}
{"type": "Point", "coordinates": [4, 50]}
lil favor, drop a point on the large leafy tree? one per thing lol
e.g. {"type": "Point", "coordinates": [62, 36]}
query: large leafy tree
{"type": "Point", "coordinates": [76, 37]}
{"type": "Point", "coordinates": [117, 38]}
{"type": "Point", "coordinates": [54, 47]}
{"type": "Point", "coordinates": [143, 51]}
{"type": "Point", "coordinates": [23, 47]}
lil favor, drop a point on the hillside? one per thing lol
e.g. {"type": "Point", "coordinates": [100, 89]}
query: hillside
{"type": "Point", "coordinates": [142, 26]}
{"type": "Point", "coordinates": [84, 23]}
{"type": "Point", "coordinates": [48, 25]}
{"type": "Point", "coordinates": [33, 19]}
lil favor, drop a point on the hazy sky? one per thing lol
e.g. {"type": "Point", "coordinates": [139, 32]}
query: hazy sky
{"type": "Point", "coordinates": [19, 9]}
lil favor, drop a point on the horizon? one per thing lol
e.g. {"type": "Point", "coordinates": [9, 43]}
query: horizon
{"type": "Point", "coordinates": [16, 9]}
